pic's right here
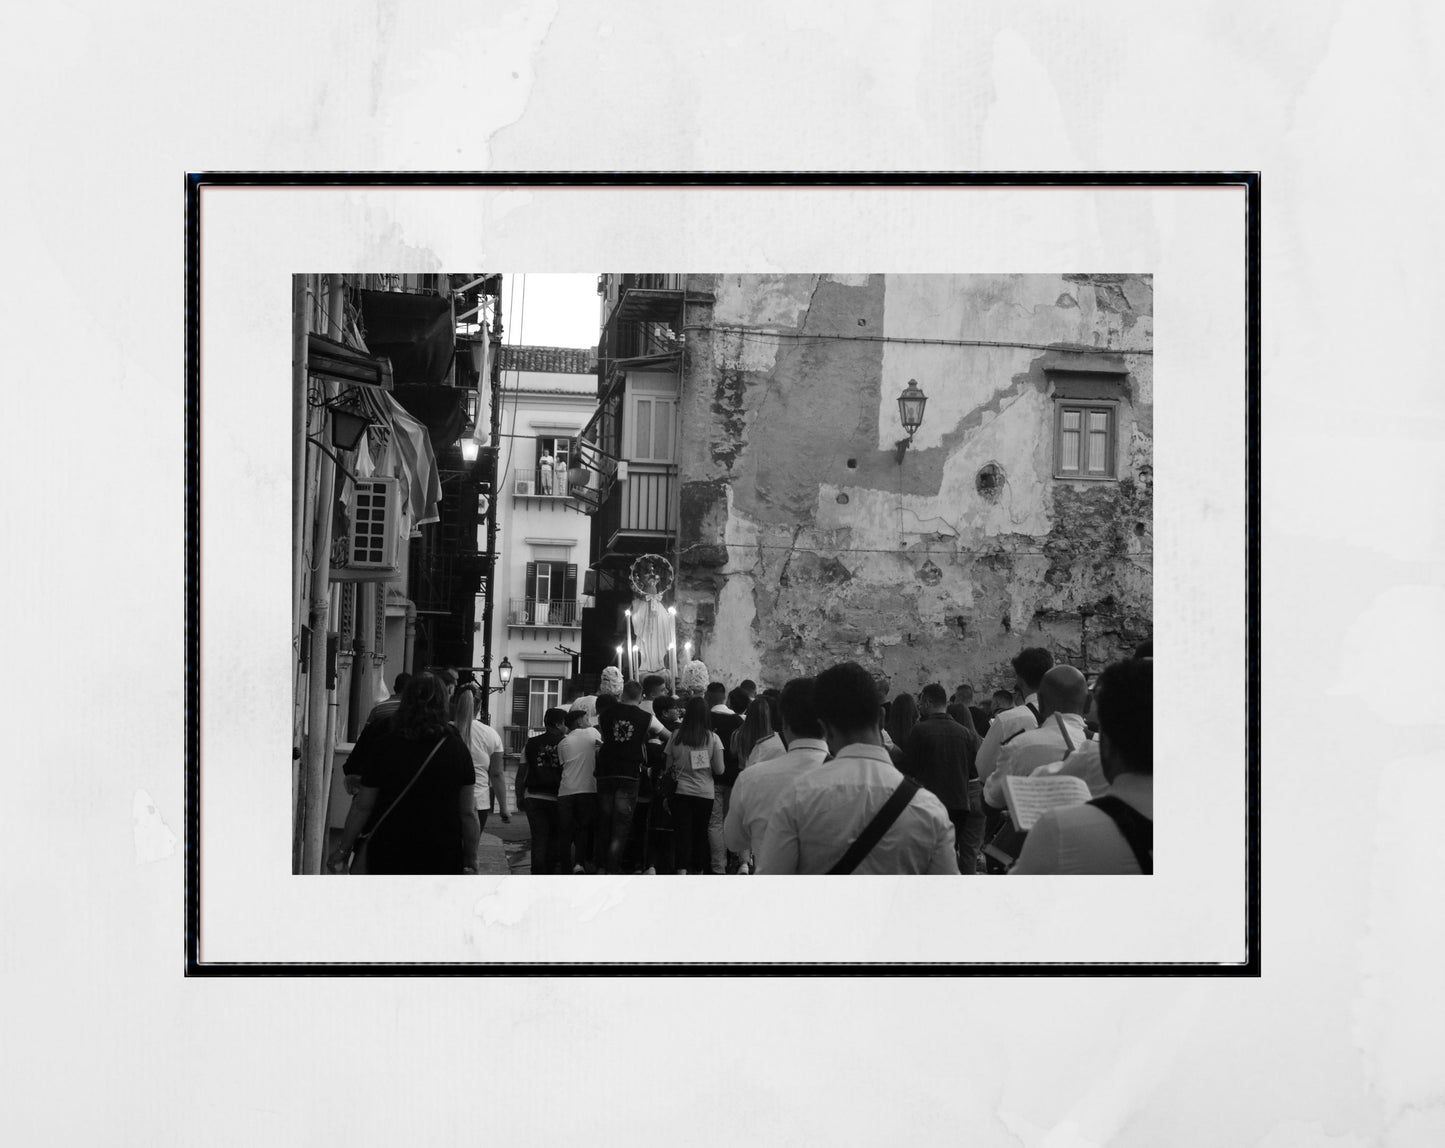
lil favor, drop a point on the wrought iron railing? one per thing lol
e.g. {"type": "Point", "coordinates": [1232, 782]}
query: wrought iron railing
{"type": "Point", "coordinates": [535, 612]}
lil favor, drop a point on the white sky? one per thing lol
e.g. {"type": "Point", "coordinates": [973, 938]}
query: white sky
{"type": "Point", "coordinates": [551, 310]}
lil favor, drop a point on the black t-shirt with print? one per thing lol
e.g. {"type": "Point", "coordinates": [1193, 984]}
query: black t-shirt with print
{"type": "Point", "coordinates": [624, 732]}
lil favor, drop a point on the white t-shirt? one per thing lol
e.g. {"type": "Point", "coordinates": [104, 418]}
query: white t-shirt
{"type": "Point", "coordinates": [694, 766]}
{"type": "Point", "coordinates": [578, 753]}
{"type": "Point", "coordinates": [483, 741]}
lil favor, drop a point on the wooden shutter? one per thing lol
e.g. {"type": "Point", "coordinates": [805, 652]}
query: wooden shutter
{"type": "Point", "coordinates": [642, 429]}
{"type": "Point", "coordinates": [569, 584]}
{"type": "Point", "coordinates": [521, 692]}
{"type": "Point", "coordinates": [531, 582]}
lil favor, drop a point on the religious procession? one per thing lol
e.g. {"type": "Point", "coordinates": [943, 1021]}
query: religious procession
{"type": "Point", "coordinates": [634, 585]}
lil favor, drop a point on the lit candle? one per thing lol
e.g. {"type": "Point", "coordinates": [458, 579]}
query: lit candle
{"type": "Point", "coordinates": [687, 650]}
{"type": "Point", "coordinates": [619, 657]}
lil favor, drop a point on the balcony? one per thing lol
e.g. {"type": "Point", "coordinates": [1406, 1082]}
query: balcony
{"type": "Point", "coordinates": [639, 510]}
{"type": "Point", "coordinates": [538, 482]}
{"type": "Point", "coordinates": [535, 614]}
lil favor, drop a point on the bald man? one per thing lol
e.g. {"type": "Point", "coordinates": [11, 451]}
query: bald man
{"type": "Point", "coordinates": [1063, 699]}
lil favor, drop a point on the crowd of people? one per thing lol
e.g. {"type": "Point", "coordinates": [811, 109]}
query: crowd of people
{"type": "Point", "coordinates": [822, 775]}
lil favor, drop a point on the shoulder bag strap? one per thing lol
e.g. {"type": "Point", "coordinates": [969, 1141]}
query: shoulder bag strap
{"type": "Point", "coordinates": [1137, 829]}
{"type": "Point", "coordinates": [1063, 729]}
{"type": "Point", "coordinates": [1033, 709]}
{"type": "Point", "coordinates": [881, 823]}
{"type": "Point", "coordinates": [372, 831]}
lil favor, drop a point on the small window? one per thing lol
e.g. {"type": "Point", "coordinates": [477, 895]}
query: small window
{"type": "Point", "coordinates": [1085, 439]}
{"type": "Point", "coordinates": [544, 694]}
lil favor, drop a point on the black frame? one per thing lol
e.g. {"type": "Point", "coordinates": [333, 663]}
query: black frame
{"type": "Point", "coordinates": [1249, 181]}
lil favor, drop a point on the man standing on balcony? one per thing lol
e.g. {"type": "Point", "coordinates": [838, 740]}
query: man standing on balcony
{"type": "Point", "coordinates": [544, 471]}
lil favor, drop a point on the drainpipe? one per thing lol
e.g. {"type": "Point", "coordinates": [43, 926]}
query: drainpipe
{"type": "Point", "coordinates": [677, 478]}
{"type": "Point", "coordinates": [318, 750]}
{"type": "Point", "coordinates": [494, 469]}
{"type": "Point", "coordinates": [300, 489]}
{"type": "Point", "coordinates": [299, 420]}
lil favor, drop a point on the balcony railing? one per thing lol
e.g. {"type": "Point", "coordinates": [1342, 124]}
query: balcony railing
{"type": "Point", "coordinates": [540, 482]}
{"type": "Point", "coordinates": [535, 612]}
{"type": "Point", "coordinates": [644, 504]}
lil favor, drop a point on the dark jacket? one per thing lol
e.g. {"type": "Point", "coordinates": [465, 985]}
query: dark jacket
{"type": "Point", "coordinates": [941, 754]}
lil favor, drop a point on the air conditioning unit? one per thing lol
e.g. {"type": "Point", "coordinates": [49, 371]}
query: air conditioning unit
{"type": "Point", "coordinates": [366, 541]}
{"type": "Point", "coordinates": [526, 486]}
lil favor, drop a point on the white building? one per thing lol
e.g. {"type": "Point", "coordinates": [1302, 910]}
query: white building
{"type": "Point", "coordinates": [543, 541]}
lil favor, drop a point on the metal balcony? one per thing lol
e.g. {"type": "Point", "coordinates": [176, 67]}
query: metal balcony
{"type": "Point", "coordinates": [533, 613]}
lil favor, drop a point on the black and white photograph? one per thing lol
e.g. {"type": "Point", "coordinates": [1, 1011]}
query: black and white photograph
{"type": "Point", "coordinates": [729, 574]}
{"type": "Point", "coordinates": [763, 371]}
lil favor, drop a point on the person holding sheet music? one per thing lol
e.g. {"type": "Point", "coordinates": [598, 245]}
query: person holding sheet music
{"type": "Point", "coordinates": [1063, 696]}
{"type": "Point", "coordinates": [1029, 666]}
{"type": "Point", "coordinates": [1113, 833]}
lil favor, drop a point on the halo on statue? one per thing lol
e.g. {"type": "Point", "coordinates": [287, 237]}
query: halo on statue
{"type": "Point", "coordinates": [651, 576]}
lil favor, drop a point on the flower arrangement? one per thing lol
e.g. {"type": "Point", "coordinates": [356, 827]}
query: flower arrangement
{"type": "Point", "coordinates": [611, 682]}
{"type": "Point", "coordinates": [692, 682]}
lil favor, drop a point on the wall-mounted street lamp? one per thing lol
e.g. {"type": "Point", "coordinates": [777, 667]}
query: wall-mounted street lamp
{"type": "Point", "coordinates": [910, 413]}
{"type": "Point", "coordinates": [504, 676]}
{"type": "Point", "coordinates": [347, 427]}
{"type": "Point", "coordinates": [470, 448]}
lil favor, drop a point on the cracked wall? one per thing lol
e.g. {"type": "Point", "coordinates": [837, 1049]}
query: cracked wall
{"type": "Point", "coordinates": [804, 542]}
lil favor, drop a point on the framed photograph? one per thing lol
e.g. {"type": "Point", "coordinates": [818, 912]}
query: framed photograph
{"type": "Point", "coordinates": [915, 426]}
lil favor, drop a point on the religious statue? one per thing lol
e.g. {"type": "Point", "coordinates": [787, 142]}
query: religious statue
{"type": "Point", "coordinates": [654, 626]}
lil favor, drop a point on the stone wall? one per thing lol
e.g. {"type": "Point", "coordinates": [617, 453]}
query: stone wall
{"type": "Point", "coordinates": [805, 542]}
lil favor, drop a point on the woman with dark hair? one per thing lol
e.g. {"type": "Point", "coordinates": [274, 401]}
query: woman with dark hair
{"type": "Point", "coordinates": [760, 736]}
{"type": "Point", "coordinates": [694, 757]}
{"type": "Point", "coordinates": [415, 810]}
{"type": "Point", "coordinates": [902, 717]}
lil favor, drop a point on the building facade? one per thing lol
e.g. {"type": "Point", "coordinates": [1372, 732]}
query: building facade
{"type": "Point", "coordinates": [543, 539]}
{"type": "Point", "coordinates": [386, 567]}
{"type": "Point", "coordinates": [810, 528]}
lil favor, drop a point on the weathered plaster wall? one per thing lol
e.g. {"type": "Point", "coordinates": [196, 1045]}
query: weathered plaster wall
{"type": "Point", "coordinates": [805, 543]}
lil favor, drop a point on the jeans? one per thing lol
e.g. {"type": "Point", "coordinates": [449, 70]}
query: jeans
{"type": "Point", "coordinates": [576, 822]}
{"type": "Point", "coordinates": [542, 817]}
{"type": "Point", "coordinates": [968, 829]}
{"type": "Point", "coordinates": [722, 798]}
{"type": "Point", "coordinates": [691, 844]}
{"type": "Point", "coordinates": [616, 800]}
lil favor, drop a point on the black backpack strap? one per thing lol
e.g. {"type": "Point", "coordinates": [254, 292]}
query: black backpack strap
{"type": "Point", "coordinates": [1033, 709]}
{"type": "Point", "coordinates": [873, 833]}
{"type": "Point", "coordinates": [1137, 829]}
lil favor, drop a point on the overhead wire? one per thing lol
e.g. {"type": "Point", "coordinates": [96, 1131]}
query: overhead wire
{"type": "Point", "coordinates": [826, 337]}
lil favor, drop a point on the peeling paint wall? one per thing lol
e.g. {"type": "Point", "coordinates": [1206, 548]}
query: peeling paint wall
{"type": "Point", "coordinates": [804, 542]}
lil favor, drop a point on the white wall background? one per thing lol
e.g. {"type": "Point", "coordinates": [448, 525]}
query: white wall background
{"type": "Point", "coordinates": [1339, 1044]}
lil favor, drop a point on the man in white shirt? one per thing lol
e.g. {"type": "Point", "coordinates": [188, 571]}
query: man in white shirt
{"type": "Point", "coordinates": [760, 788]}
{"type": "Point", "coordinates": [830, 806]}
{"type": "Point", "coordinates": [1063, 697]}
{"type": "Point", "coordinates": [1113, 833]}
{"type": "Point", "coordinates": [485, 745]}
{"type": "Point", "coordinates": [577, 795]}
{"type": "Point", "coordinates": [1029, 667]}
